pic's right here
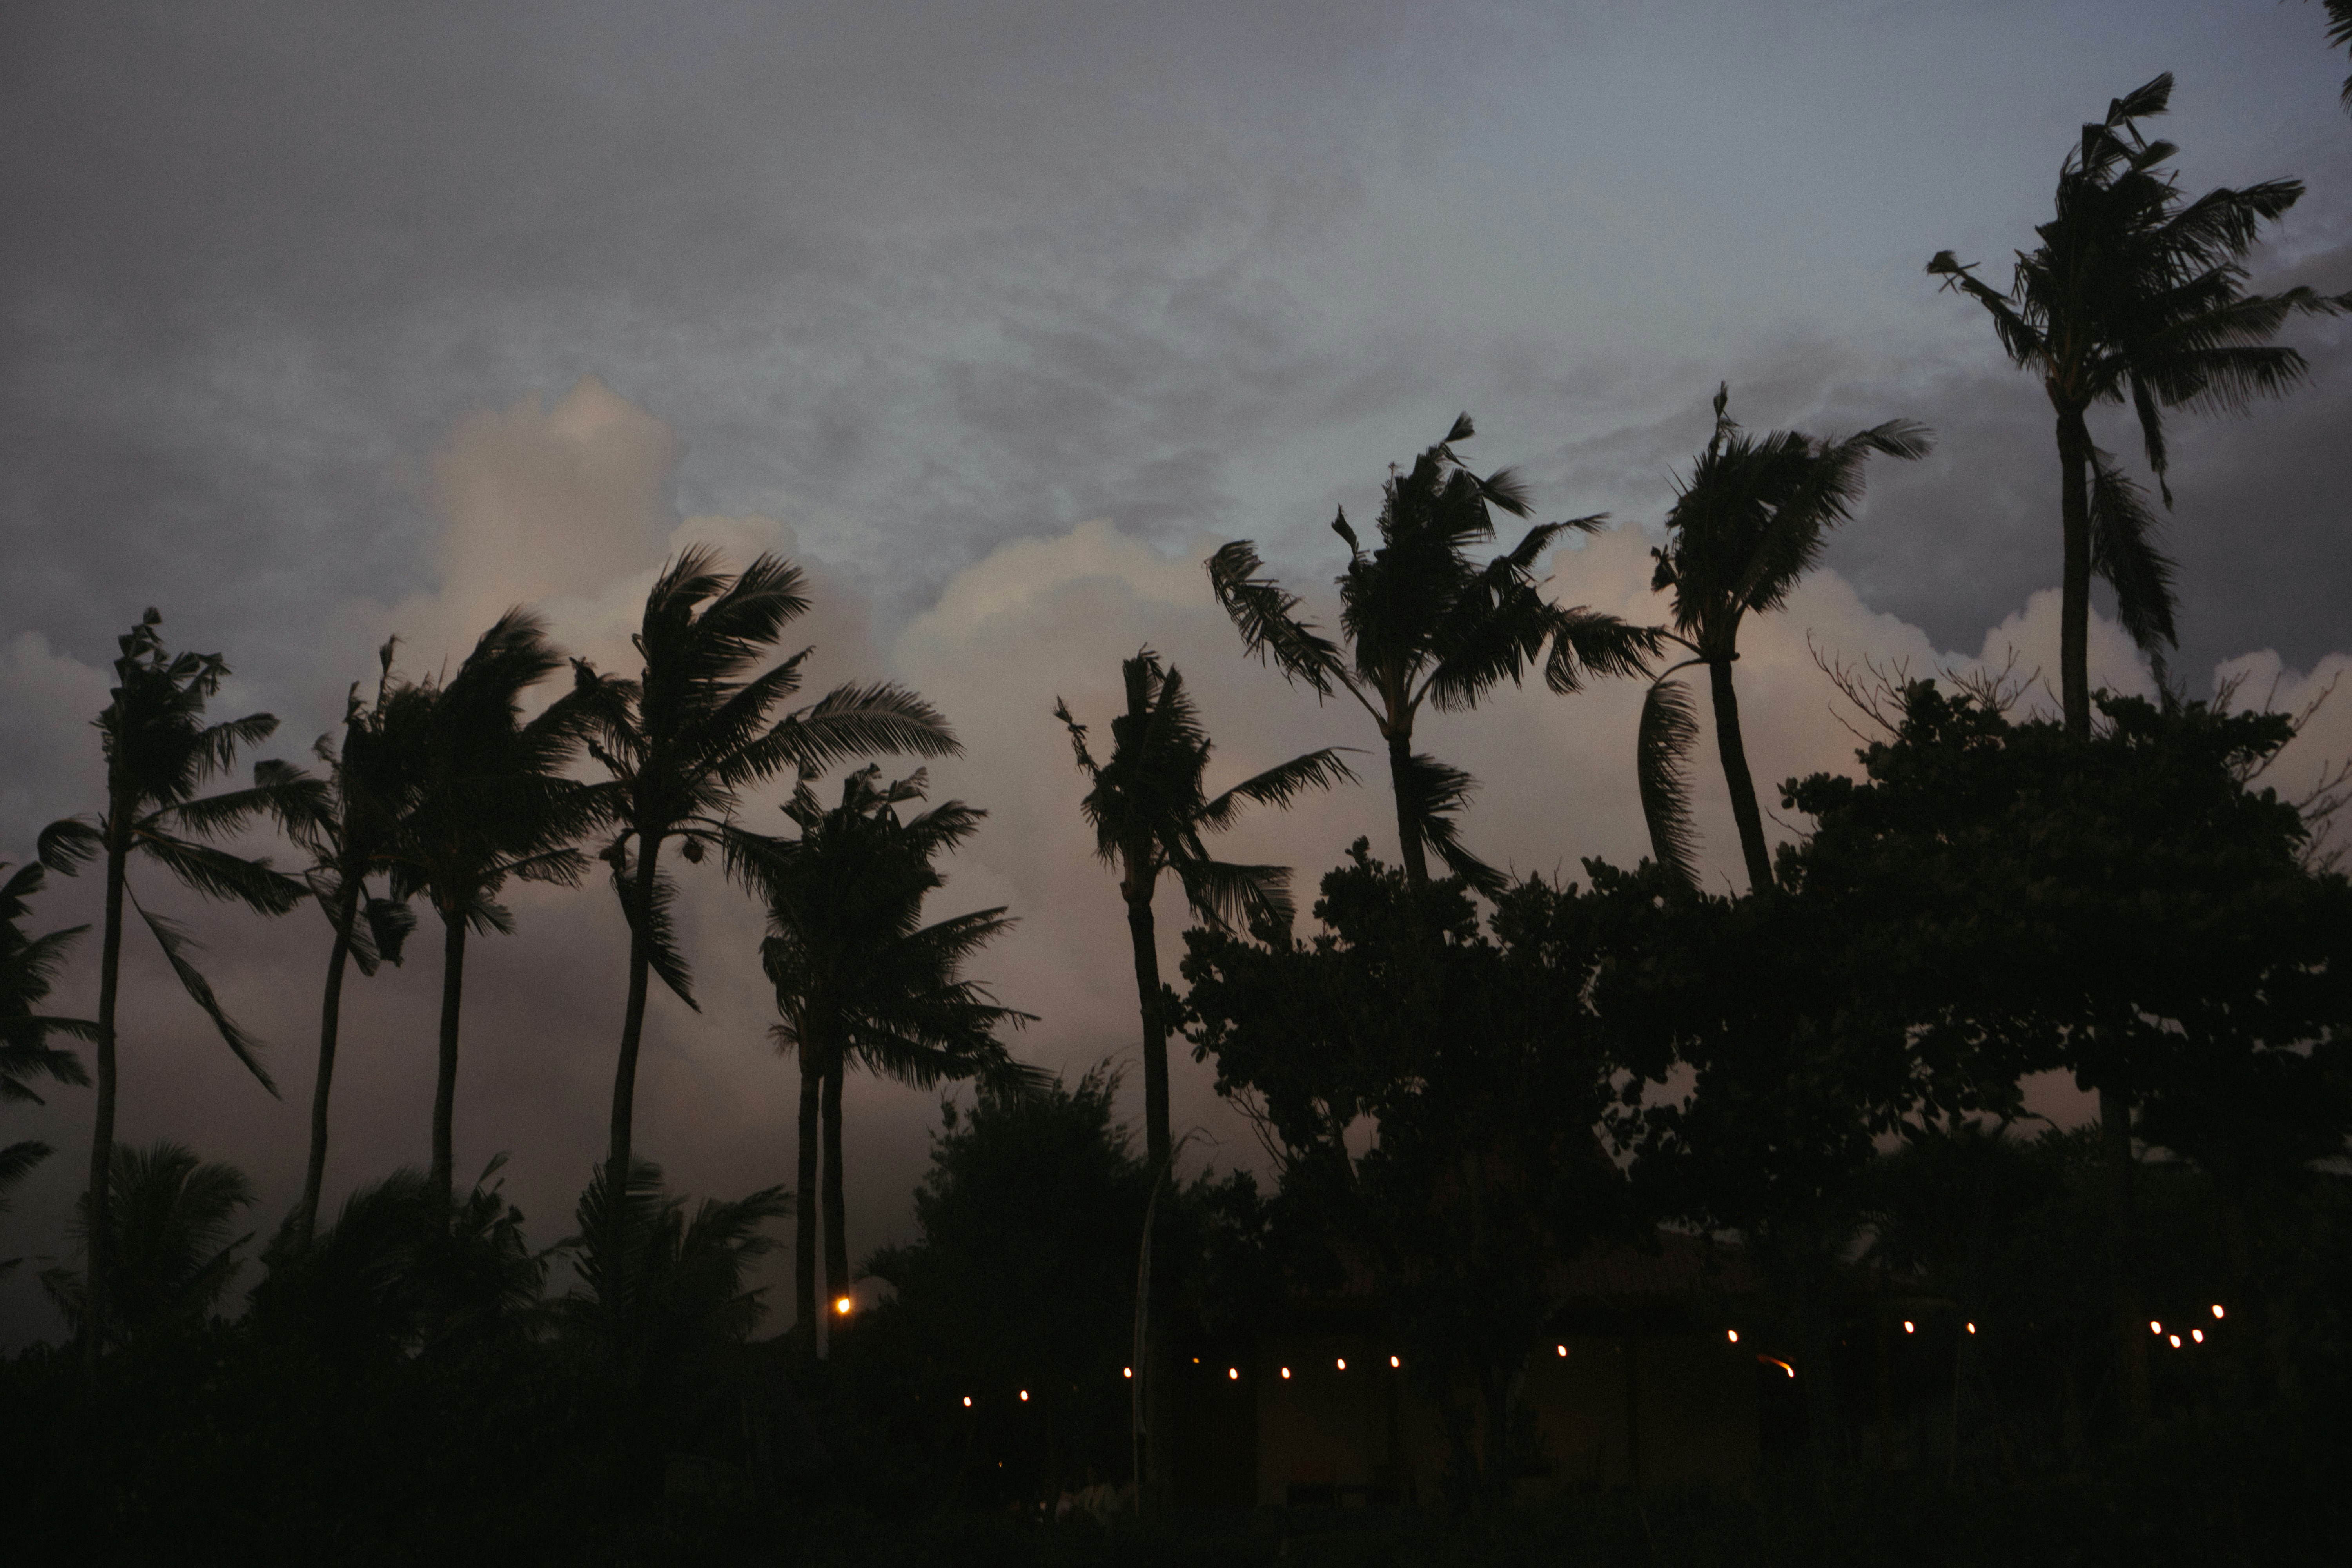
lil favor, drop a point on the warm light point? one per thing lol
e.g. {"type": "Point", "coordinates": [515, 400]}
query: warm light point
{"type": "Point", "coordinates": [1561, 1349]}
{"type": "Point", "coordinates": [1343, 1363]}
{"type": "Point", "coordinates": [1285, 1373]}
{"type": "Point", "coordinates": [1394, 1362]}
{"type": "Point", "coordinates": [1731, 1335]}
{"type": "Point", "coordinates": [841, 1304]}
{"type": "Point", "coordinates": [1972, 1328]}
{"type": "Point", "coordinates": [1024, 1396]}
{"type": "Point", "coordinates": [2174, 1339]}
{"type": "Point", "coordinates": [2154, 1327]}
{"type": "Point", "coordinates": [2197, 1334]}
{"type": "Point", "coordinates": [2216, 1309]}
{"type": "Point", "coordinates": [1196, 1361]}
{"type": "Point", "coordinates": [967, 1402]}
{"type": "Point", "coordinates": [1126, 1372]}
{"type": "Point", "coordinates": [1232, 1374]}
{"type": "Point", "coordinates": [1909, 1327]}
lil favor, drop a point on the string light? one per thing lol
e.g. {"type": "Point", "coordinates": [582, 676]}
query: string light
{"type": "Point", "coordinates": [967, 1402]}
{"type": "Point", "coordinates": [1343, 1363]}
{"type": "Point", "coordinates": [1776, 1361]}
{"type": "Point", "coordinates": [2197, 1334]}
{"type": "Point", "coordinates": [2216, 1309]}
{"type": "Point", "coordinates": [2154, 1327]}
{"type": "Point", "coordinates": [1394, 1362]}
{"type": "Point", "coordinates": [1972, 1328]}
{"type": "Point", "coordinates": [1024, 1396]}
{"type": "Point", "coordinates": [1731, 1335]}
{"type": "Point", "coordinates": [1286, 1375]}
{"type": "Point", "coordinates": [1126, 1372]}
{"type": "Point", "coordinates": [841, 1305]}
{"type": "Point", "coordinates": [1561, 1349]}
{"type": "Point", "coordinates": [2174, 1339]}
{"type": "Point", "coordinates": [1232, 1374]}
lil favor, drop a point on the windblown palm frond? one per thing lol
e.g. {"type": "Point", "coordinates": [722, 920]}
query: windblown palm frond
{"type": "Point", "coordinates": [173, 1254]}
{"type": "Point", "coordinates": [1669, 727]}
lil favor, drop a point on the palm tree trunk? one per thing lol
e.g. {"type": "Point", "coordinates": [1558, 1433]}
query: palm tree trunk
{"type": "Point", "coordinates": [632, 1029]}
{"type": "Point", "coordinates": [2074, 586]}
{"type": "Point", "coordinates": [805, 1213]}
{"type": "Point", "coordinates": [2131, 1342]}
{"type": "Point", "coordinates": [314, 1173]}
{"type": "Point", "coordinates": [1159, 1146]}
{"type": "Point", "coordinates": [836, 1225]}
{"type": "Point", "coordinates": [100, 1246]}
{"type": "Point", "coordinates": [1735, 777]}
{"type": "Point", "coordinates": [445, 1087]}
{"type": "Point", "coordinates": [1409, 844]}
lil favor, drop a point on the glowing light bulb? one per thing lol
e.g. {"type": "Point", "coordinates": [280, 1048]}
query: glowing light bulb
{"type": "Point", "coordinates": [1286, 1375]}
{"type": "Point", "coordinates": [1024, 1396]}
{"type": "Point", "coordinates": [841, 1304]}
{"type": "Point", "coordinates": [1561, 1349]}
{"type": "Point", "coordinates": [2154, 1327]}
{"type": "Point", "coordinates": [1394, 1362]}
{"type": "Point", "coordinates": [1909, 1327]}
{"type": "Point", "coordinates": [2197, 1334]}
{"type": "Point", "coordinates": [1343, 1363]}
{"type": "Point", "coordinates": [967, 1402]}
{"type": "Point", "coordinates": [2216, 1309]}
{"type": "Point", "coordinates": [1972, 1328]}
{"type": "Point", "coordinates": [1126, 1372]}
{"type": "Point", "coordinates": [2174, 1339]}
{"type": "Point", "coordinates": [1232, 1374]}
{"type": "Point", "coordinates": [1731, 1336]}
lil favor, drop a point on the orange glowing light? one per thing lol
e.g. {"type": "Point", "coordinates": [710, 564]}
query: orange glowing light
{"type": "Point", "coordinates": [1776, 1361]}
{"type": "Point", "coordinates": [1126, 1372]}
{"type": "Point", "coordinates": [967, 1402]}
{"type": "Point", "coordinates": [1394, 1362]}
{"type": "Point", "coordinates": [1909, 1327]}
{"type": "Point", "coordinates": [1024, 1396]}
{"type": "Point", "coordinates": [2174, 1339]}
{"type": "Point", "coordinates": [1731, 1336]}
{"type": "Point", "coordinates": [1232, 1374]}
{"type": "Point", "coordinates": [1286, 1375]}
{"type": "Point", "coordinates": [2197, 1334]}
{"type": "Point", "coordinates": [2216, 1309]}
{"type": "Point", "coordinates": [1343, 1363]}
{"type": "Point", "coordinates": [2154, 1327]}
{"type": "Point", "coordinates": [1972, 1328]}
{"type": "Point", "coordinates": [1561, 1349]}
{"type": "Point", "coordinates": [841, 1304]}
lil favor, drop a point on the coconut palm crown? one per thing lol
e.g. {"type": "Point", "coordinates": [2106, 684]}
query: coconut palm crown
{"type": "Point", "coordinates": [2135, 293]}
{"type": "Point", "coordinates": [1425, 625]}
{"type": "Point", "coordinates": [1749, 522]}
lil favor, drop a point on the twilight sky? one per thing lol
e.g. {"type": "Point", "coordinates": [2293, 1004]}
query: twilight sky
{"type": "Point", "coordinates": [318, 324]}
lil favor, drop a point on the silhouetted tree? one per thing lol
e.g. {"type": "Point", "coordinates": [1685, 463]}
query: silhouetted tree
{"type": "Point", "coordinates": [171, 1257]}
{"type": "Point", "coordinates": [1425, 625]}
{"type": "Point", "coordinates": [1752, 518]}
{"type": "Point", "coordinates": [28, 966]}
{"type": "Point", "coordinates": [683, 739]}
{"type": "Point", "coordinates": [159, 753]}
{"type": "Point", "coordinates": [370, 790]}
{"type": "Point", "coordinates": [2133, 291]}
{"type": "Point", "coordinates": [859, 979]}
{"type": "Point", "coordinates": [1149, 809]}
{"type": "Point", "coordinates": [2339, 36]}
{"type": "Point", "coordinates": [491, 803]}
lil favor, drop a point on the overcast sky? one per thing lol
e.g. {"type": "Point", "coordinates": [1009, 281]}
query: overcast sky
{"type": "Point", "coordinates": [322, 323]}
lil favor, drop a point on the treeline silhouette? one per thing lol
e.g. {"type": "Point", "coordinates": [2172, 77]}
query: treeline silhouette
{"type": "Point", "coordinates": [1464, 1082]}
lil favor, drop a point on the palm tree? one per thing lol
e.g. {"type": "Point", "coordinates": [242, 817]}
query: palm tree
{"type": "Point", "coordinates": [2134, 292]}
{"type": "Point", "coordinates": [1426, 625]}
{"type": "Point", "coordinates": [1148, 808]}
{"type": "Point", "coordinates": [353, 838]}
{"type": "Point", "coordinates": [159, 753]}
{"type": "Point", "coordinates": [490, 803]}
{"type": "Point", "coordinates": [169, 1257]}
{"type": "Point", "coordinates": [684, 737]}
{"type": "Point", "coordinates": [28, 966]}
{"type": "Point", "coordinates": [1753, 517]}
{"type": "Point", "coordinates": [858, 980]}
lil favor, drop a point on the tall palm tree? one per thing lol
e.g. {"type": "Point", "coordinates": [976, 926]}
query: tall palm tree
{"type": "Point", "coordinates": [690, 733]}
{"type": "Point", "coordinates": [2136, 292]}
{"type": "Point", "coordinates": [490, 803]}
{"type": "Point", "coordinates": [368, 791]}
{"type": "Point", "coordinates": [860, 980]}
{"type": "Point", "coordinates": [1148, 808]}
{"type": "Point", "coordinates": [159, 751]}
{"type": "Point", "coordinates": [28, 966]}
{"type": "Point", "coordinates": [1752, 518]}
{"type": "Point", "coordinates": [1426, 625]}
{"type": "Point", "coordinates": [170, 1257]}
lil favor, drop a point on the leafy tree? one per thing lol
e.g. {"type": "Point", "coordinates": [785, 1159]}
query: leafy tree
{"type": "Point", "coordinates": [171, 1255]}
{"type": "Point", "coordinates": [1425, 625]}
{"type": "Point", "coordinates": [28, 966]}
{"type": "Point", "coordinates": [355, 835]}
{"type": "Point", "coordinates": [159, 753]}
{"type": "Point", "coordinates": [1475, 1055]}
{"type": "Point", "coordinates": [2128, 910]}
{"type": "Point", "coordinates": [684, 737]}
{"type": "Point", "coordinates": [858, 978]}
{"type": "Point", "coordinates": [2135, 292]}
{"type": "Point", "coordinates": [491, 803]}
{"type": "Point", "coordinates": [1753, 517]}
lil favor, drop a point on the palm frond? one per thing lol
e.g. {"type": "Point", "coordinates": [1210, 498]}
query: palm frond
{"type": "Point", "coordinates": [176, 941]}
{"type": "Point", "coordinates": [16, 1162]}
{"type": "Point", "coordinates": [69, 843]}
{"type": "Point", "coordinates": [1433, 795]}
{"type": "Point", "coordinates": [1669, 727]}
{"type": "Point", "coordinates": [1266, 616]}
{"type": "Point", "coordinates": [854, 721]}
{"type": "Point", "coordinates": [1586, 643]}
{"type": "Point", "coordinates": [2125, 552]}
{"type": "Point", "coordinates": [217, 874]}
{"type": "Point", "coordinates": [660, 936]}
{"type": "Point", "coordinates": [1278, 785]}
{"type": "Point", "coordinates": [1231, 895]}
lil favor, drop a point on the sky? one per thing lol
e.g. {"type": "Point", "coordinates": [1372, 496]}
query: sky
{"type": "Point", "coordinates": [323, 324]}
